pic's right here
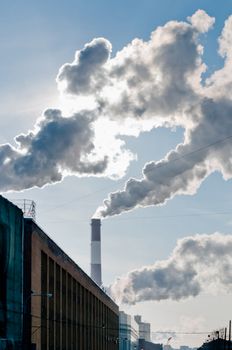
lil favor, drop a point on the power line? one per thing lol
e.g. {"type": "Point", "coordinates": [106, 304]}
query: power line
{"type": "Point", "coordinates": [192, 152]}
{"type": "Point", "coordinates": [200, 149]}
{"type": "Point", "coordinates": [82, 197]}
{"type": "Point", "coordinates": [152, 217]}
{"type": "Point", "coordinates": [177, 332]}
{"type": "Point", "coordinates": [70, 322]}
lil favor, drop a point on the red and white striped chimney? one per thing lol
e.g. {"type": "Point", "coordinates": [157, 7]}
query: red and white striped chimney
{"type": "Point", "coordinates": [96, 273]}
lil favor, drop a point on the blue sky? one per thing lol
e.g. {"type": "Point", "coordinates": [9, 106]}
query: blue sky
{"type": "Point", "coordinates": [37, 38]}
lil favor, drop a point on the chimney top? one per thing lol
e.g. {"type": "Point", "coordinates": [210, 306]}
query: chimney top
{"type": "Point", "coordinates": [95, 221]}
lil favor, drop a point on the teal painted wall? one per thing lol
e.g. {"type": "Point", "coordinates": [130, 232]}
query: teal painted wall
{"type": "Point", "coordinates": [11, 274]}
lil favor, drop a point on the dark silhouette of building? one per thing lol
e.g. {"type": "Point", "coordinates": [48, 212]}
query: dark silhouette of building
{"type": "Point", "coordinates": [47, 301]}
{"type": "Point", "coordinates": [11, 275]}
{"type": "Point", "coordinates": [217, 344]}
{"type": "Point", "coordinates": [147, 345]}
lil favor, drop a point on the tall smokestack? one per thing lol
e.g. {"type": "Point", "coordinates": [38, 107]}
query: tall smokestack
{"type": "Point", "coordinates": [96, 273]}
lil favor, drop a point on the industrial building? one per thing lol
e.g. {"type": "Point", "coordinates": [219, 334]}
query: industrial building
{"type": "Point", "coordinates": [11, 272]}
{"type": "Point", "coordinates": [216, 344]}
{"type": "Point", "coordinates": [57, 305]}
{"type": "Point", "coordinates": [128, 332]}
{"type": "Point", "coordinates": [144, 328]}
{"type": "Point", "coordinates": [147, 345]}
{"type": "Point", "coordinates": [135, 334]}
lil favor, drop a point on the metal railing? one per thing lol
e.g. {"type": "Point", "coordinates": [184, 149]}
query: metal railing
{"type": "Point", "coordinates": [27, 206]}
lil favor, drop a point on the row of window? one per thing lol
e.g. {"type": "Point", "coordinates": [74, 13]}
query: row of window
{"type": "Point", "coordinates": [73, 318]}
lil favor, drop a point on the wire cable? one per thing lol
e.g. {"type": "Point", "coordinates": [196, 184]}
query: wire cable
{"type": "Point", "coordinates": [200, 149]}
{"type": "Point", "coordinates": [70, 322]}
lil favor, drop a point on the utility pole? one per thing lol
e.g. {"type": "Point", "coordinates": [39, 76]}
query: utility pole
{"type": "Point", "coordinates": [225, 338]}
{"type": "Point", "coordinates": [230, 335]}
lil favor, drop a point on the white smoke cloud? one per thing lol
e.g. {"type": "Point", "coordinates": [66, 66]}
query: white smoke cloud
{"type": "Point", "coordinates": [206, 148]}
{"type": "Point", "coordinates": [200, 263]}
{"type": "Point", "coordinates": [183, 169]}
{"type": "Point", "coordinates": [58, 147]}
{"type": "Point", "coordinates": [145, 80]}
{"type": "Point", "coordinates": [219, 85]}
{"type": "Point", "coordinates": [201, 21]}
{"type": "Point", "coordinates": [147, 84]}
{"type": "Point", "coordinates": [86, 74]}
{"type": "Point", "coordinates": [56, 144]}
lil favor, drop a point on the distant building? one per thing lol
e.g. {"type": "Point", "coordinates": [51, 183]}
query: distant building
{"type": "Point", "coordinates": [146, 345]}
{"type": "Point", "coordinates": [46, 300]}
{"type": "Point", "coordinates": [128, 332]}
{"type": "Point", "coordinates": [144, 328]}
{"type": "Point", "coordinates": [167, 347]}
{"type": "Point", "coordinates": [216, 344]}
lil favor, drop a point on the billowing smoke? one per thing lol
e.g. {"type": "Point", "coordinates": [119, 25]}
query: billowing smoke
{"type": "Point", "coordinates": [201, 263]}
{"type": "Point", "coordinates": [204, 110]}
{"type": "Point", "coordinates": [86, 74]}
{"type": "Point", "coordinates": [147, 84]}
{"type": "Point", "coordinates": [150, 80]}
{"type": "Point", "coordinates": [207, 148]}
{"type": "Point", "coordinates": [56, 145]}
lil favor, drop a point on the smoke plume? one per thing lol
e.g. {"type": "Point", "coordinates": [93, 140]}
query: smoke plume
{"type": "Point", "coordinates": [204, 110]}
{"type": "Point", "coordinates": [57, 144]}
{"type": "Point", "coordinates": [146, 85]}
{"type": "Point", "coordinates": [200, 263]}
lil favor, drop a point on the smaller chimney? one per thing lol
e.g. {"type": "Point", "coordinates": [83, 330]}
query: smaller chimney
{"type": "Point", "coordinates": [96, 273]}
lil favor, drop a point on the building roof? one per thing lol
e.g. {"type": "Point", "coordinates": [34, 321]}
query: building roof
{"type": "Point", "coordinates": [57, 251]}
